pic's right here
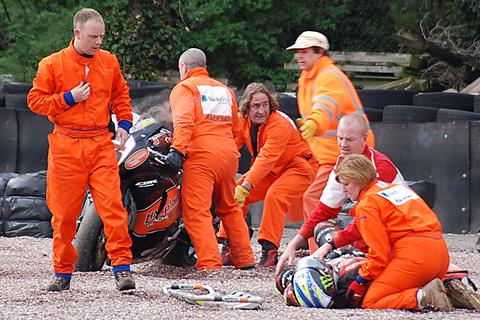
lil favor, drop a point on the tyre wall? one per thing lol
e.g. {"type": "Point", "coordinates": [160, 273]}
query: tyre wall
{"type": "Point", "coordinates": [23, 137]}
{"type": "Point", "coordinates": [24, 210]}
{"type": "Point", "coordinates": [439, 153]}
{"type": "Point", "coordinates": [444, 153]}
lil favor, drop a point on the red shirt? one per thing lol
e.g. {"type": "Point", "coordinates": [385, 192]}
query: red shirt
{"type": "Point", "coordinates": [333, 196]}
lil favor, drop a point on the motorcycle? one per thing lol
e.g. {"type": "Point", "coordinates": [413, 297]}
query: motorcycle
{"type": "Point", "coordinates": [151, 196]}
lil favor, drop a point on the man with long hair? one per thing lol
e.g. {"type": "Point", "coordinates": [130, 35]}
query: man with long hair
{"type": "Point", "coordinates": [282, 167]}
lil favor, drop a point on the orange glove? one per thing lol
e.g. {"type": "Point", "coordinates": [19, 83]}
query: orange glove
{"type": "Point", "coordinates": [308, 128]}
{"type": "Point", "coordinates": [241, 194]}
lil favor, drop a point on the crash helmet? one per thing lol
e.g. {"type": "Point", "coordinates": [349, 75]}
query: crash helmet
{"type": "Point", "coordinates": [283, 279]}
{"type": "Point", "coordinates": [313, 283]}
{"type": "Point", "coordinates": [289, 296]}
{"type": "Point", "coordinates": [315, 263]}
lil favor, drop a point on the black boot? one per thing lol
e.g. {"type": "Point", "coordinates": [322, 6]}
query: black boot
{"type": "Point", "coordinates": [225, 253]}
{"type": "Point", "coordinates": [269, 255]}
{"type": "Point", "coordinates": [124, 280]}
{"type": "Point", "coordinates": [59, 284]}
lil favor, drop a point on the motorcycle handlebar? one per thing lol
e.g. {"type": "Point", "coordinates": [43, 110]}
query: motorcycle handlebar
{"type": "Point", "coordinates": [157, 156]}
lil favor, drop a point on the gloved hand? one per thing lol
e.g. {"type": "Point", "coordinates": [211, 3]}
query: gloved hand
{"type": "Point", "coordinates": [308, 129]}
{"type": "Point", "coordinates": [174, 160]}
{"type": "Point", "coordinates": [241, 194]}
{"type": "Point", "coordinates": [356, 291]}
{"type": "Point", "coordinates": [299, 122]}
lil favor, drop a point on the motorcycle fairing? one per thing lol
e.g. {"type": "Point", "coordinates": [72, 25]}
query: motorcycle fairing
{"type": "Point", "coordinates": [157, 217]}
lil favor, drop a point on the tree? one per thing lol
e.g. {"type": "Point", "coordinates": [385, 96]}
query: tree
{"type": "Point", "coordinates": [244, 40]}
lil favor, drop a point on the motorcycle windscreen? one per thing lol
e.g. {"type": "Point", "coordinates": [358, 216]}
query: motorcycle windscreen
{"type": "Point", "coordinates": [154, 218]}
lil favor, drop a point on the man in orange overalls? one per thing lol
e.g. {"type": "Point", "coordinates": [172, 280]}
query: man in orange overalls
{"type": "Point", "coordinates": [76, 88]}
{"type": "Point", "coordinates": [205, 121]}
{"type": "Point", "coordinates": [280, 160]}
{"type": "Point", "coordinates": [325, 94]}
{"type": "Point", "coordinates": [407, 254]}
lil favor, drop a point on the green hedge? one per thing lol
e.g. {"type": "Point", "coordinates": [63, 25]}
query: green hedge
{"type": "Point", "coordinates": [244, 40]}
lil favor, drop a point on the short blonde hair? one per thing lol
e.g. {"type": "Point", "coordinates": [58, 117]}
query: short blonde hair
{"type": "Point", "coordinates": [356, 168]}
{"type": "Point", "coordinates": [84, 15]}
{"type": "Point", "coordinates": [250, 90]}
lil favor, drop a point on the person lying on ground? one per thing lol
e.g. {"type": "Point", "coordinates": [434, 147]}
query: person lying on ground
{"type": "Point", "coordinates": [324, 283]}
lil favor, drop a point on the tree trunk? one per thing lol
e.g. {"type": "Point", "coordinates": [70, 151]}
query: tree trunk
{"type": "Point", "coordinates": [7, 14]}
{"type": "Point", "coordinates": [454, 56]}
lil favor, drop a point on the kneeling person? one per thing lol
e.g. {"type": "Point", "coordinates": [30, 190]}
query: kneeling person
{"type": "Point", "coordinates": [280, 171]}
{"type": "Point", "coordinates": [403, 236]}
{"type": "Point", "coordinates": [352, 134]}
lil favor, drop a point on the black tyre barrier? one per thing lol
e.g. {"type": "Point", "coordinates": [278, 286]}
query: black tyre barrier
{"type": "Point", "coordinates": [32, 228]}
{"type": "Point", "coordinates": [446, 115]}
{"type": "Point", "coordinates": [147, 91]}
{"type": "Point", "coordinates": [28, 184]}
{"type": "Point", "coordinates": [23, 137]}
{"type": "Point", "coordinates": [401, 113]}
{"type": "Point", "coordinates": [476, 103]}
{"type": "Point", "coordinates": [32, 148]}
{"type": "Point", "coordinates": [445, 100]}
{"type": "Point", "coordinates": [135, 84]}
{"type": "Point", "coordinates": [4, 178]}
{"type": "Point", "coordinates": [426, 190]}
{"type": "Point", "coordinates": [2, 100]}
{"type": "Point", "coordinates": [8, 140]}
{"type": "Point", "coordinates": [15, 88]}
{"type": "Point", "coordinates": [16, 101]}
{"type": "Point", "coordinates": [373, 115]}
{"type": "Point", "coordinates": [288, 105]}
{"type": "Point", "coordinates": [378, 99]}
{"type": "Point", "coordinates": [26, 208]}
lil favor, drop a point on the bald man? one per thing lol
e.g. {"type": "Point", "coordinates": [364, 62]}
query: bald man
{"type": "Point", "coordinates": [205, 121]}
{"type": "Point", "coordinates": [352, 135]}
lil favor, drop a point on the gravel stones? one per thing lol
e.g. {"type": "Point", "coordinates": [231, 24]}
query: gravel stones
{"type": "Point", "coordinates": [25, 270]}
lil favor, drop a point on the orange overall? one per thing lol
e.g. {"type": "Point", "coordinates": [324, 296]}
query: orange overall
{"type": "Point", "coordinates": [406, 247]}
{"type": "Point", "coordinates": [325, 94]}
{"type": "Point", "coordinates": [81, 152]}
{"type": "Point", "coordinates": [280, 173]}
{"type": "Point", "coordinates": [205, 121]}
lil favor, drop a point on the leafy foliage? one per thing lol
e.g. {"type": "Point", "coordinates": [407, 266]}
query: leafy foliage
{"type": "Point", "coordinates": [244, 40]}
{"type": "Point", "coordinates": [144, 35]}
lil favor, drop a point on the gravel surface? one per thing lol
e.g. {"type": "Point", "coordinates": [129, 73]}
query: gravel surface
{"type": "Point", "coordinates": [25, 269]}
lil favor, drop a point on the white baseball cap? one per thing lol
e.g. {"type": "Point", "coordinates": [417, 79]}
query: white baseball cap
{"type": "Point", "coordinates": [310, 39]}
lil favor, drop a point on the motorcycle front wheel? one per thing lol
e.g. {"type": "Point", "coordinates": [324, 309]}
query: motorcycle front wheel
{"type": "Point", "coordinates": [90, 240]}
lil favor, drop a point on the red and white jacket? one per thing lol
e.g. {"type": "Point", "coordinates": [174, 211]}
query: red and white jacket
{"type": "Point", "coordinates": [333, 197]}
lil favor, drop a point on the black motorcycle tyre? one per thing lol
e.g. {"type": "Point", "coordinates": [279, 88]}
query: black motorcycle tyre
{"type": "Point", "coordinates": [90, 240]}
